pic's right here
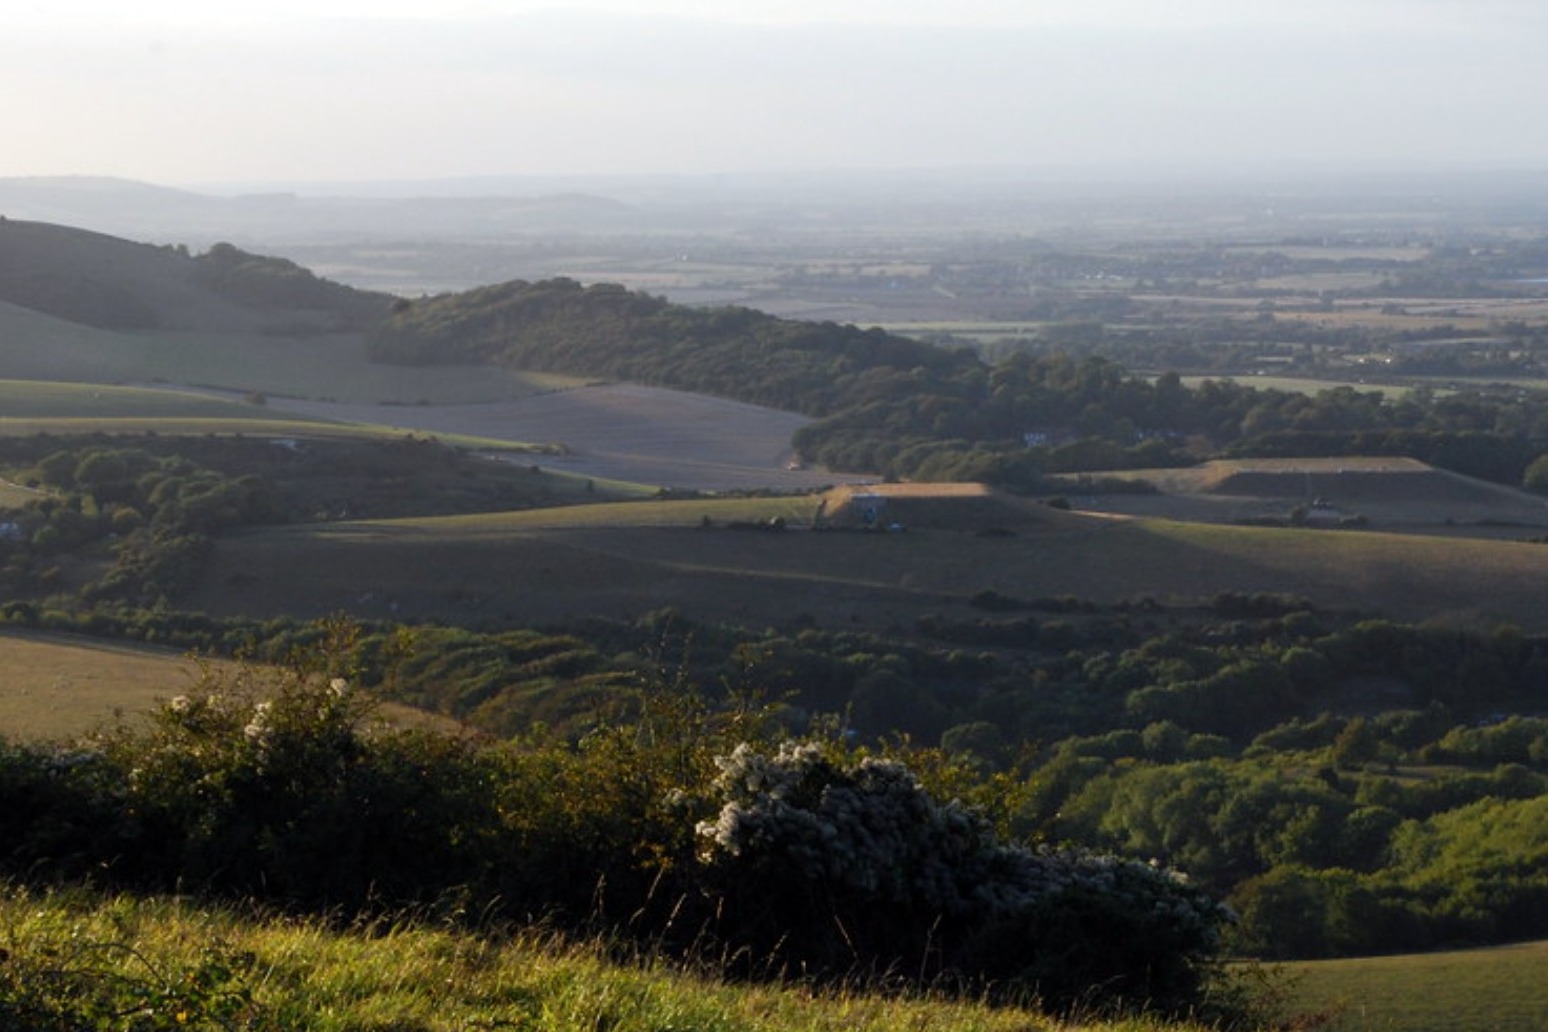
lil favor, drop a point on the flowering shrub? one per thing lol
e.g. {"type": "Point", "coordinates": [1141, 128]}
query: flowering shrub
{"type": "Point", "coordinates": [835, 868]}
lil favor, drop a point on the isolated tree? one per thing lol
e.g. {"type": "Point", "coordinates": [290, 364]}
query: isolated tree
{"type": "Point", "coordinates": [1536, 476]}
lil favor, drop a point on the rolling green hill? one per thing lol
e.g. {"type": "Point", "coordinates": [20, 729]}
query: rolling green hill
{"type": "Point", "coordinates": [102, 281]}
{"type": "Point", "coordinates": [543, 567]}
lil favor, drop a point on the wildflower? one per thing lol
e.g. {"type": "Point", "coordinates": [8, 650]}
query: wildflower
{"type": "Point", "coordinates": [257, 729]}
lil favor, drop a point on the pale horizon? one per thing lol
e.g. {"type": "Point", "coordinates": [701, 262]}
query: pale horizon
{"type": "Point", "coordinates": [182, 94]}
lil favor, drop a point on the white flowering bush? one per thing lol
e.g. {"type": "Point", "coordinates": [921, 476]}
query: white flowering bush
{"type": "Point", "coordinates": [279, 784]}
{"type": "Point", "coordinates": [843, 867]}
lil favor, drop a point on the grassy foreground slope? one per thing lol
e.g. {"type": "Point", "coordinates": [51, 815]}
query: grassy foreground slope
{"type": "Point", "coordinates": [178, 965]}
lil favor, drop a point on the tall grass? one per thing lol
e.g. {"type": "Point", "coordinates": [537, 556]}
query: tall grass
{"type": "Point", "coordinates": [174, 964]}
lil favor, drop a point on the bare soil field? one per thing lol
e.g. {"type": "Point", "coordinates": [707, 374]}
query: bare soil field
{"type": "Point", "coordinates": [617, 432]}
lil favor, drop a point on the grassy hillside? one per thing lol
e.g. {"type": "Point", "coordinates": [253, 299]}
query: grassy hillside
{"type": "Point", "coordinates": [83, 306]}
{"type": "Point", "coordinates": [29, 407]}
{"type": "Point", "coordinates": [1501, 989]}
{"type": "Point", "coordinates": [329, 366]}
{"type": "Point", "coordinates": [59, 687]}
{"type": "Point", "coordinates": [201, 967]}
{"type": "Point", "coordinates": [1382, 493]}
{"type": "Point", "coordinates": [103, 281]}
{"type": "Point", "coordinates": [620, 561]}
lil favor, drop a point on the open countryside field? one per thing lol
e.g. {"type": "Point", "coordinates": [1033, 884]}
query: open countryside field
{"type": "Point", "coordinates": [22, 400]}
{"type": "Point", "coordinates": [39, 347]}
{"type": "Point", "coordinates": [613, 432]}
{"type": "Point", "coordinates": [1389, 494]}
{"type": "Point", "coordinates": [541, 568]}
{"type": "Point", "coordinates": [58, 687]}
{"type": "Point", "coordinates": [1500, 990]}
{"type": "Point", "coordinates": [625, 432]}
{"type": "Point", "coordinates": [30, 407]}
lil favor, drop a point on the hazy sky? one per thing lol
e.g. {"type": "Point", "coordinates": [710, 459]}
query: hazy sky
{"type": "Point", "coordinates": [319, 90]}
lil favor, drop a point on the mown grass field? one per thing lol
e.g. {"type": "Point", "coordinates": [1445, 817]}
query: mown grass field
{"type": "Point", "coordinates": [58, 687]}
{"type": "Point", "coordinates": [1502, 989]}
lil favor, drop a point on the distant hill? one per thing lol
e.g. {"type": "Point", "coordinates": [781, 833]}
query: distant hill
{"type": "Point", "coordinates": [271, 217]}
{"type": "Point", "coordinates": [97, 280]}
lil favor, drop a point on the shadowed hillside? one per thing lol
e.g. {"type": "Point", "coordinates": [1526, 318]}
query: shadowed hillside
{"type": "Point", "coordinates": [1379, 492]}
{"type": "Point", "coordinates": [102, 281]}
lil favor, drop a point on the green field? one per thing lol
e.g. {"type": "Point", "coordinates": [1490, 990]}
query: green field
{"type": "Point", "coordinates": [59, 687]}
{"type": "Point", "coordinates": [541, 566]}
{"type": "Point", "coordinates": [45, 400]}
{"type": "Point", "coordinates": [33, 406]}
{"type": "Point", "coordinates": [1503, 989]}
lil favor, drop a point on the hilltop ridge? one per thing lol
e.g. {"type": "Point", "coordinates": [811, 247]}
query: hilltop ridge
{"type": "Point", "coordinates": [106, 282]}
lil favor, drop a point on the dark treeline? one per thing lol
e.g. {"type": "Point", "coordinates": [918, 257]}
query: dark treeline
{"type": "Point", "coordinates": [903, 408]}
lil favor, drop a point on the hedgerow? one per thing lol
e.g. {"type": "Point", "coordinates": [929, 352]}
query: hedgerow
{"type": "Point", "coordinates": [684, 829]}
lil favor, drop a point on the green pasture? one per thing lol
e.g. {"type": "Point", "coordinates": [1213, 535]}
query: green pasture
{"type": "Point", "coordinates": [14, 496]}
{"type": "Point", "coordinates": [1301, 384]}
{"type": "Point", "coordinates": [36, 399]}
{"type": "Point", "coordinates": [631, 557]}
{"type": "Point", "coordinates": [978, 331]}
{"type": "Point", "coordinates": [794, 509]}
{"type": "Point", "coordinates": [33, 406]}
{"type": "Point", "coordinates": [58, 687]}
{"type": "Point", "coordinates": [1501, 989]}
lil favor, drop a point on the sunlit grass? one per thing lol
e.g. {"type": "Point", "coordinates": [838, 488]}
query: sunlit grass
{"type": "Point", "coordinates": [411, 977]}
{"type": "Point", "coordinates": [646, 513]}
{"type": "Point", "coordinates": [59, 687]}
{"type": "Point", "coordinates": [1501, 989]}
